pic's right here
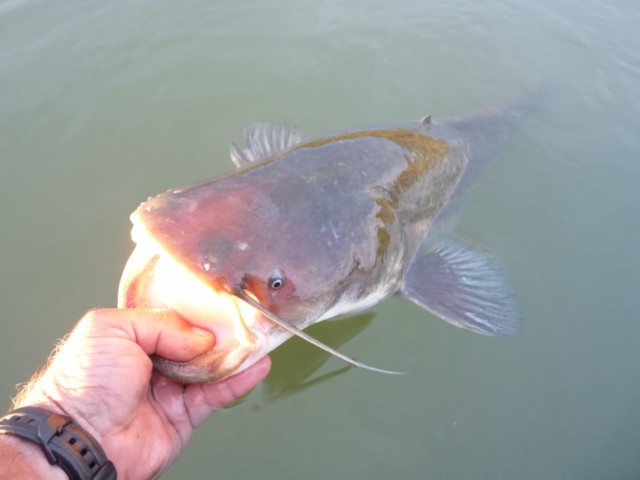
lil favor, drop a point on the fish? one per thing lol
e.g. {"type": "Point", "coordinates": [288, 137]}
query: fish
{"type": "Point", "coordinates": [311, 228]}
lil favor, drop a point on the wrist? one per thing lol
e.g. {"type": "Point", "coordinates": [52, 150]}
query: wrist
{"type": "Point", "coordinates": [46, 393]}
{"type": "Point", "coordinates": [20, 458]}
{"type": "Point", "coordinates": [61, 441]}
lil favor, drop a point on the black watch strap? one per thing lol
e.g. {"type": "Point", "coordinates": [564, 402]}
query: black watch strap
{"type": "Point", "coordinates": [63, 442]}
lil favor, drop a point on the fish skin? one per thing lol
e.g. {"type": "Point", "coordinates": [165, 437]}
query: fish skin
{"type": "Point", "coordinates": [343, 217]}
{"type": "Point", "coordinates": [348, 220]}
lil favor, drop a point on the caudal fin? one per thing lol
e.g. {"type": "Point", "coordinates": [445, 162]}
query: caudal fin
{"type": "Point", "coordinates": [485, 133]}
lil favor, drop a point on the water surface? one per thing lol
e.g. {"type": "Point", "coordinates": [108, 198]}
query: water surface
{"type": "Point", "coordinates": [104, 104]}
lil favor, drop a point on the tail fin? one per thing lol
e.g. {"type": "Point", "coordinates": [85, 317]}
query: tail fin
{"type": "Point", "coordinates": [485, 133]}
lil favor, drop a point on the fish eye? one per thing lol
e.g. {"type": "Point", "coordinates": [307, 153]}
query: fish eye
{"type": "Point", "coordinates": [276, 280]}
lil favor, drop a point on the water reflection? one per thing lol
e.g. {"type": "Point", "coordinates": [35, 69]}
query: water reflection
{"type": "Point", "coordinates": [296, 361]}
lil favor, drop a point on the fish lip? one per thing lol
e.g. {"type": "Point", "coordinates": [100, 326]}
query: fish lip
{"type": "Point", "coordinates": [242, 333]}
{"type": "Point", "coordinates": [136, 274]}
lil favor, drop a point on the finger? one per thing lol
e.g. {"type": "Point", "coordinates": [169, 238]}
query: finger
{"type": "Point", "coordinates": [202, 400]}
{"type": "Point", "coordinates": [162, 332]}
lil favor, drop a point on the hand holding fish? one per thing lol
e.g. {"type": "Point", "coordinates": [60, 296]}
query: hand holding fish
{"type": "Point", "coordinates": [101, 376]}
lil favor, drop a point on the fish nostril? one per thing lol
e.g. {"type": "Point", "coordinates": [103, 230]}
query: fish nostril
{"type": "Point", "coordinates": [208, 263]}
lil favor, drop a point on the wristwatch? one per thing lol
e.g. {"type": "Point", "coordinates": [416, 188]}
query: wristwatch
{"type": "Point", "coordinates": [62, 441]}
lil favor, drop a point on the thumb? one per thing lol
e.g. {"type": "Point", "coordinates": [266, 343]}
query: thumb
{"type": "Point", "coordinates": [156, 331]}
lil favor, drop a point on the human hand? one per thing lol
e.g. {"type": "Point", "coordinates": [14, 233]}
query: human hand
{"type": "Point", "coordinates": [101, 376]}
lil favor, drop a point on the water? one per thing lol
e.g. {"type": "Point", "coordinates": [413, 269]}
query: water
{"type": "Point", "coordinates": [104, 104]}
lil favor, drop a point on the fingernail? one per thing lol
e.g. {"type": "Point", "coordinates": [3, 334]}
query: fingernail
{"type": "Point", "coordinates": [202, 332]}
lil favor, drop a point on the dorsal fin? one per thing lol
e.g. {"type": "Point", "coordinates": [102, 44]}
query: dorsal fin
{"type": "Point", "coordinates": [263, 140]}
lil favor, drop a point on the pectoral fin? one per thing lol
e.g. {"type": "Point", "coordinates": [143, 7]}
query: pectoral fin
{"type": "Point", "coordinates": [464, 286]}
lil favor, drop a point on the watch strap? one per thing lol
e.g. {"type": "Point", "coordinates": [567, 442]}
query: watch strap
{"type": "Point", "coordinates": [63, 442]}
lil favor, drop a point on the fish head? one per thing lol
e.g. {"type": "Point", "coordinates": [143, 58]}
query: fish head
{"type": "Point", "coordinates": [204, 251]}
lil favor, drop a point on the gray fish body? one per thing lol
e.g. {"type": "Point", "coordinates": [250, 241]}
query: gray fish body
{"type": "Point", "coordinates": [317, 228]}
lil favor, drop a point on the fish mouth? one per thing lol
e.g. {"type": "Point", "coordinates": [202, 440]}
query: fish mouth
{"type": "Point", "coordinates": [152, 278]}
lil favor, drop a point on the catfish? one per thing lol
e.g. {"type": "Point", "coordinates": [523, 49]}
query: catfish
{"type": "Point", "coordinates": [307, 229]}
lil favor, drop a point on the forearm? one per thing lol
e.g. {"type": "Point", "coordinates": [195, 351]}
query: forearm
{"type": "Point", "coordinates": [24, 460]}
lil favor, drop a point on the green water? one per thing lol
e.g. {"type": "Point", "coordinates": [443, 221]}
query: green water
{"type": "Point", "coordinates": [105, 103]}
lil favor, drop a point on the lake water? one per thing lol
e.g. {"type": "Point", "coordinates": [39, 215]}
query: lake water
{"type": "Point", "coordinates": [105, 103]}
